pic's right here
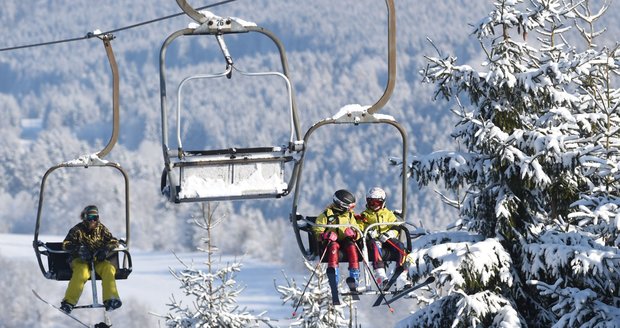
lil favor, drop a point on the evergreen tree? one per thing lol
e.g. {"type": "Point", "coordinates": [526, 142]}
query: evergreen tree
{"type": "Point", "coordinates": [213, 291]}
{"type": "Point", "coordinates": [312, 302]}
{"type": "Point", "coordinates": [539, 127]}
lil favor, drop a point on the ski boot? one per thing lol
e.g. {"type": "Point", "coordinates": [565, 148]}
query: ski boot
{"type": "Point", "coordinates": [381, 277]}
{"type": "Point", "coordinates": [353, 280]}
{"type": "Point", "coordinates": [66, 307]}
{"type": "Point", "coordinates": [112, 304]}
{"type": "Point", "coordinates": [402, 281]}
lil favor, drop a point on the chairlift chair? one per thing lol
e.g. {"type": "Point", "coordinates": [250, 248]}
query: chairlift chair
{"type": "Point", "coordinates": [302, 225]}
{"type": "Point", "coordinates": [356, 115]}
{"type": "Point", "coordinates": [57, 265]}
{"type": "Point", "coordinates": [231, 173]}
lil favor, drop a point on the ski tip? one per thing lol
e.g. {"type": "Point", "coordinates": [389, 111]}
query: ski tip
{"type": "Point", "coordinates": [294, 314]}
{"type": "Point", "coordinates": [391, 310]}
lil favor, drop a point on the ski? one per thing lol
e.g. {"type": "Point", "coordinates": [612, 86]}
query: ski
{"type": "Point", "coordinates": [61, 311]}
{"type": "Point", "coordinates": [389, 284]}
{"type": "Point", "coordinates": [352, 289]}
{"type": "Point", "coordinates": [406, 291]}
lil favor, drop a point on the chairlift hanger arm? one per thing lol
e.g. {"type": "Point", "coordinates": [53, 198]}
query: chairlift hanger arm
{"type": "Point", "coordinates": [162, 88]}
{"type": "Point", "coordinates": [389, 88]}
{"type": "Point", "coordinates": [115, 95]}
{"type": "Point", "coordinates": [191, 12]}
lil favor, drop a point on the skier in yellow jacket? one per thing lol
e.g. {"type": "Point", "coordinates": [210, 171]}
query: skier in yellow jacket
{"type": "Point", "coordinates": [382, 236]}
{"type": "Point", "coordinates": [90, 241]}
{"type": "Point", "coordinates": [340, 212]}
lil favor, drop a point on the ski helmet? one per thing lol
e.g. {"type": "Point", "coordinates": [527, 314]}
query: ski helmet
{"type": "Point", "coordinates": [375, 198]}
{"type": "Point", "coordinates": [343, 200]}
{"type": "Point", "coordinates": [90, 213]}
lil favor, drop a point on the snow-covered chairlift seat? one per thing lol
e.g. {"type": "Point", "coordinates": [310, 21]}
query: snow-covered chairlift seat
{"type": "Point", "coordinates": [227, 174]}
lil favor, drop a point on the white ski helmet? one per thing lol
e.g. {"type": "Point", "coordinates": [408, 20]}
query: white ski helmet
{"type": "Point", "coordinates": [375, 198]}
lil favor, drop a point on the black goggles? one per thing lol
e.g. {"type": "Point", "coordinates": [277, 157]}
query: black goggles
{"type": "Point", "coordinates": [92, 217]}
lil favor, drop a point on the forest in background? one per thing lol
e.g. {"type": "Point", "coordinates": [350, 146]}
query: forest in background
{"type": "Point", "coordinates": [55, 105]}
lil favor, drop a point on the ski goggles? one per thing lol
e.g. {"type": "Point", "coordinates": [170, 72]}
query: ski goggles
{"type": "Point", "coordinates": [374, 202]}
{"type": "Point", "coordinates": [92, 217]}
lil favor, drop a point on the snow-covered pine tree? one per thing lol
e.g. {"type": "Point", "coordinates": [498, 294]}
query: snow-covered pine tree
{"type": "Point", "coordinates": [213, 291]}
{"type": "Point", "coordinates": [539, 129]}
{"type": "Point", "coordinates": [312, 307]}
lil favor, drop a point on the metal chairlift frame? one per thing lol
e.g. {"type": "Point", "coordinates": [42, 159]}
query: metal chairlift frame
{"type": "Point", "coordinates": [179, 162]}
{"type": "Point", "coordinates": [362, 116]}
{"type": "Point", "coordinates": [57, 266]}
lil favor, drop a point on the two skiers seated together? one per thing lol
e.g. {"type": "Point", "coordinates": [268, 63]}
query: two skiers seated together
{"type": "Point", "coordinates": [382, 238]}
{"type": "Point", "coordinates": [90, 242]}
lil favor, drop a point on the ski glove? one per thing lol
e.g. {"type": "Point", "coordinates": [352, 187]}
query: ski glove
{"type": "Point", "coordinates": [101, 254]}
{"type": "Point", "coordinates": [350, 233]}
{"type": "Point", "coordinates": [329, 235]}
{"type": "Point", "coordinates": [373, 234]}
{"type": "Point", "coordinates": [85, 254]}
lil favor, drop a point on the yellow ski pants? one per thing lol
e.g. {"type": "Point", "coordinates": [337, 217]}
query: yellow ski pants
{"type": "Point", "coordinates": [81, 274]}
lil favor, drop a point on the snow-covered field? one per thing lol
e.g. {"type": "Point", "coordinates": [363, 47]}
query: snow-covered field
{"type": "Point", "coordinates": [151, 285]}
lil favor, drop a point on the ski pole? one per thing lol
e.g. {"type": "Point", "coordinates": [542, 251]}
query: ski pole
{"type": "Point", "coordinates": [372, 275]}
{"type": "Point", "coordinates": [309, 280]}
{"type": "Point", "coordinates": [402, 252]}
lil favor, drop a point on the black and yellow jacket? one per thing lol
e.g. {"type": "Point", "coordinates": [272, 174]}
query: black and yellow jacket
{"type": "Point", "coordinates": [98, 238]}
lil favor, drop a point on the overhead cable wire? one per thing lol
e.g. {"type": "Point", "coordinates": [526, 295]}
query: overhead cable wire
{"type": "Point", "coordinates": [90, 34]}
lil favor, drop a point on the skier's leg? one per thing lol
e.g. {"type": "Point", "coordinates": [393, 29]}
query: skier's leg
{"type": "Point", "coordinates": [332, 270]}
{"type": "Point", "coordinates": [354, 265]}
{"type": "Point", "coordinates": [107, 271]}
{"type": "Point", "coordinates": [403, 279]}
{"type": "Point", "coordinates": [378, 263]}
{"type": "Point", "coordinates": [80, 275]}
{"type": "Point", "coordinates": [398, 247]}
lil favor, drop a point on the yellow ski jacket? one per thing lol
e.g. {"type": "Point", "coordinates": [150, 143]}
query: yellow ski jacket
{"type": "Point", "coordinates": [382, 215]}
{"type": "Point", "coordinates": [329, 217]}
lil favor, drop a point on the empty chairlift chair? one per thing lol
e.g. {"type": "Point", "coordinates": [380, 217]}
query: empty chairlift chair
{"type": "Point", "coordinates": [230, 173]}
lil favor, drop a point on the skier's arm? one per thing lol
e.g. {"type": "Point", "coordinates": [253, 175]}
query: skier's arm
{"type": "Point", "coordinates": [71, 241]}
{"type": "Point", "coordinates": [109, 240]}
{"type": "Point", "coordinates": [321, 219]}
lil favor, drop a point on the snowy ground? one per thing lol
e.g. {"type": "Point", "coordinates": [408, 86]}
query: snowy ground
{"type": "Point", "coordinates": [150, 286]}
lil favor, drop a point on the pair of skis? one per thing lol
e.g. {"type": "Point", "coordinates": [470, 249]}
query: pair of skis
{"type": "Point", "coordinates": [402, 292]}
{"type": "Point", "coordinates": [354, 293]}
{"type": "Point", "coordinates": [99, 325]}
